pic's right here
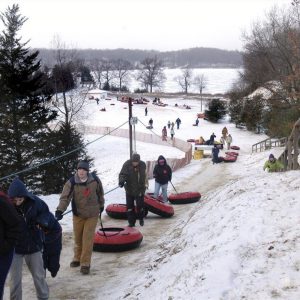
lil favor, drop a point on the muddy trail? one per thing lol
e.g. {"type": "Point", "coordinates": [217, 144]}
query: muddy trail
{"type": "Point", "coordinates": [109, 269]}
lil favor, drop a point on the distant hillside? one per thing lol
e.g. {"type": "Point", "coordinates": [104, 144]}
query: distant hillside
{"type": "Point", "coordinates": [194, 57]}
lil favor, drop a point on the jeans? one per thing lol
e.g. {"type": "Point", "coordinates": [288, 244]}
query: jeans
{"type": "Point", "coordinates": [164, 188]}
{"type": "Point", "coordinates": [35, 265]}
{"type": "Point", "coordinates": [5, 263]}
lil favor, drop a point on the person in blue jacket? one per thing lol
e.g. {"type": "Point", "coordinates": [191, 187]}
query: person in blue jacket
{"type": "Point", "coordinates": [35, 217]}
{"type": "Point", "coordinates": [215, 155]}
{"type": "Point", "coordinates": [9, 233]}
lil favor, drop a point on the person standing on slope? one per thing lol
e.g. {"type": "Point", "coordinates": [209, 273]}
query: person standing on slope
{"type": "Point", "coordinates": [85, 191]}
{"type": "Point", "coordinates": [133, 178]}
{"type": "Point", "coordinates": [162, 173]}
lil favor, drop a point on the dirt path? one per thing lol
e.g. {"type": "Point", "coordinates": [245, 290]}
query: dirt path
{"type": "Point", "coordinates": [109, 269]}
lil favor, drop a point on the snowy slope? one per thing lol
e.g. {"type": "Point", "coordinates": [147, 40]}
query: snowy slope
{"type": "Point", "coordinates": [240, 241]}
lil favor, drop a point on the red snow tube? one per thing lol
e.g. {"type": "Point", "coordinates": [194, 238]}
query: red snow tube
{"type": "Point", "coordinates": [118, 211]}
{"type": "Point", "coordinates": [112, 239]}
{"type": "Point", "coordinates": [184, 198]}
{"type": "Point", "coordinates": [157, 207]}
{"type": "Point", "coordinates": [231, 153]}
{"type": "Point", "coordinates": [235, 147]}
{"type": "Point", "coordinates": [230, 158]}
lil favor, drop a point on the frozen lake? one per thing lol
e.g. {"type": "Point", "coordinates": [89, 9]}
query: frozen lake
{"type": "Point", "coordinates": [217, 80]}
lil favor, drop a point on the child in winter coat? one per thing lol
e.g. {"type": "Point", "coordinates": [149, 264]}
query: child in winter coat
{"type": "Point", "coordinates": [164, 134]}
{"type": "Point", "coordinates": [228, 141]}
{"type": "Point", "coordinates": [162, 174]}
{"type": "Point", "coordinates": [215, 155]}
{"type": "Point", "coordinates": [172, 133]}
{"type": "Point", "coordinates": [273, 165]}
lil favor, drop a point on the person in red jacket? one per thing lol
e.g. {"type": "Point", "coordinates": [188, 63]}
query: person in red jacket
{"type": "Point", "coordinates": [9, 234]}
{"type": "Point", "coordinates": [162, 174]}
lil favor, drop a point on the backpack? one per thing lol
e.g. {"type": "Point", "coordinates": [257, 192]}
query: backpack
{"type": "Point", "coordinates": [73, 183]}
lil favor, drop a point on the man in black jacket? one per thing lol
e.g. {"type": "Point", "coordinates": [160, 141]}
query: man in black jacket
{"type": "Point", "coordinates": [134, 178]}
{"type": "Point", "coordinates": [162, 174]}
{"type": "Point", "coordinates": [9, 233]}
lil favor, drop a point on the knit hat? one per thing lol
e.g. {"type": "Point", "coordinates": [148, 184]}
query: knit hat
{"type": "Point", "coordinates": [83, 165]}
{"type": "Point", "coordinates": [17, 189]}
{"type": "Point", "coordinates": [271, 156]}
{"type": "Point", "coordinates": [136, 157]}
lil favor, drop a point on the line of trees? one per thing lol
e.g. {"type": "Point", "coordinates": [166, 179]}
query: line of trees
{"type": "Point", "coordinates": [200, 57]}
{"type": "Point", "coordinates": [26, 110]}
{"type": "Point", "coordinates": [272, 63]}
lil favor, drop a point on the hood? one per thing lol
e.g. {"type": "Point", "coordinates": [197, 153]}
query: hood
{"type": "Point", "coordinates": [161, 157]}
{"type": "Point", "coordinates": [18, 189]}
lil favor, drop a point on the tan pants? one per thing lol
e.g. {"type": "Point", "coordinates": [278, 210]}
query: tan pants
{"type": "Point", "coordinates": [84, 231]}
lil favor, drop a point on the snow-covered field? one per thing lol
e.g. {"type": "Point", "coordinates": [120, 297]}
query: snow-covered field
{"type": "Point", "coordinates": [240, 241]}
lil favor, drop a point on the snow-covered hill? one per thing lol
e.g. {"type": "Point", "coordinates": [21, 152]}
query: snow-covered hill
{"type": "Point", "coordinates": [240, 241]}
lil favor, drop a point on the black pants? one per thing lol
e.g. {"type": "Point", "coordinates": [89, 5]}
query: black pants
{"type": "Point", "coordinates": [134, 212]}
{"type": "Point", "coordinates": [5, 263]}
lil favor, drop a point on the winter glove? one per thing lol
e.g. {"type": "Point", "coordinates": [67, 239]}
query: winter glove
{"type": "Point", "coordinates": [121, 184]}
{"type": "Point", "coordinates": [58, 215]}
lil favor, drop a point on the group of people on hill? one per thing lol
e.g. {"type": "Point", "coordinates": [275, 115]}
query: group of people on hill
{"type": "Point", "coordinates": [134, 179]}
{"type": "Point", "coordinates": [30, 232]}
{"type": "Point", "coordinates": [164, 132]}
{"type": "Point", "coordinates": [226, 138]}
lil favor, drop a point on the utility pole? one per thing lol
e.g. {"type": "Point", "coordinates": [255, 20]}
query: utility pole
{"type": "Point", "coordinates": [130, 126]}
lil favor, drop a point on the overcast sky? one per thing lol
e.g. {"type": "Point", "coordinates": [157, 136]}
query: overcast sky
{"type": "Point", "coordinates": [141, 24]}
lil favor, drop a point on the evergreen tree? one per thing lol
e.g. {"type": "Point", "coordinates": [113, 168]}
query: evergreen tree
{"type": "Point", "coordinates": [216, 110]}
{"type": "Point", "coordinates": [24, 111]}
{"type": "Point", "coordinates": [66, 139]}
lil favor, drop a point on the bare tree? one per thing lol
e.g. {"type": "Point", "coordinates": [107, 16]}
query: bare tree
{"type": "Point", "coordinates": [200, 82]}
{"type": "Point", "coordinates": [97, 70]}
{"type": "Point", "coordinates": [151, 73]}
{"type": "Point", "coordinates": [122, 70]}
{"type": "Point", "coordinates": [185, 79]}
{"type": "Point", "coordinates": [108, 73]}
{"type": "Point", "coordinates": [69, 105]}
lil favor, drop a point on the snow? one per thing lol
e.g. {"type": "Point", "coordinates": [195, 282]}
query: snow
{"type": "Point", "coordinates": [240, 241]}
{"type": "Point", "coordinates": [216, 80]}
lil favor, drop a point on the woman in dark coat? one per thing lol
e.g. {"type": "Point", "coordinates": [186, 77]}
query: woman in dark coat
{"type": "Point", "coordinates": [9, 233]}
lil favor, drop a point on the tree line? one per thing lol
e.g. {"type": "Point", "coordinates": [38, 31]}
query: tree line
{"type": "Point", "coordinates": [271, 62]}
{"type": "Point", "coordinates": [199, 57]}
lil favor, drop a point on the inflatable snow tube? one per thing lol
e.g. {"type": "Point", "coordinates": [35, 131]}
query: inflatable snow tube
{"type": "Point", "coordinates": [231, 153]}
{"type": "Point", "coordinates": [116, 239]}
{"type": "Point", "coordinates": [160, 197]}
{"type": "Point", "coordinates": [229, 158]}
{"type": "Point", "coordinates": [235, 147]}
{"type": "Point", "coordinates": [119, 211]}
{"type": "Point", "coordinates": [184, 198]}
{"type": "Point", "coordinates": [158, 207]}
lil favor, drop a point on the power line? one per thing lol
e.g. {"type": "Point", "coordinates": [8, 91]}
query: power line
{"type": "Point", "coordinates": [60, 156]}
